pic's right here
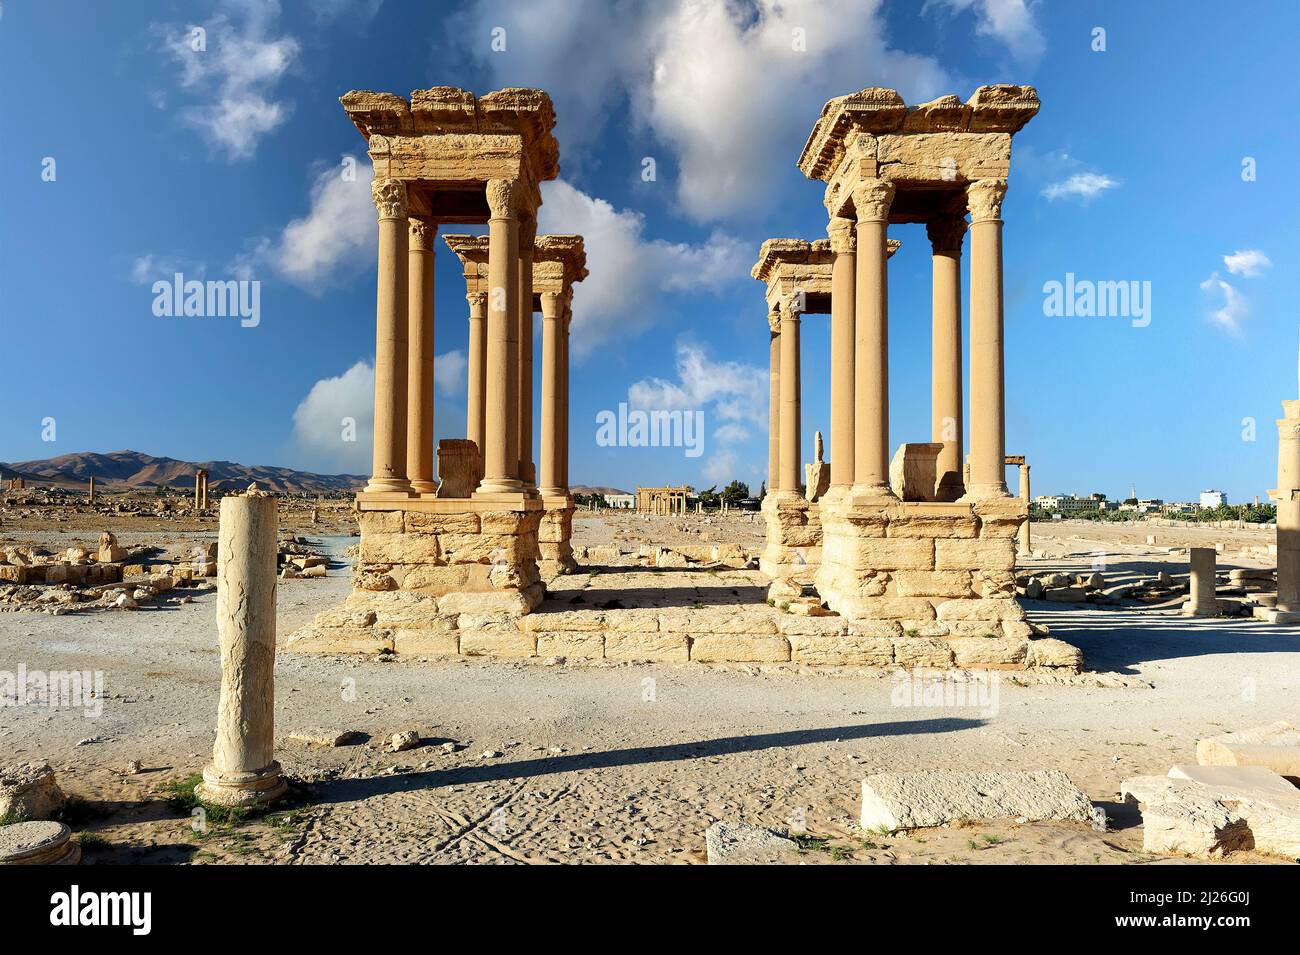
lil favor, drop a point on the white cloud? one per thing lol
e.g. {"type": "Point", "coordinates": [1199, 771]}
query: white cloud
{"type": "Point", "coordinates": [449, 373]}
{"type": "Point", "coordinates": [1009, 21]}
{"type": "Point", "coordinates": [1081, 185]}
{"type": "Point", "coordinates": [732, 391]}
{"type": "Point", "coordinates": [234, 72]}
{"type": "Point", "coordinates": [320, 422]}
{"type": "Point", "coordinates": [721, 468]}
{"type": "Point", "coordinates": [1234, 309]}
{"type": "Point", "coordinates": [731, 434]}
{"type": "Point", "coordinates": [150, 268]}
{"type": "Point", "coordinates": [335, 240]}
{"type": "Point", "coordinates": [627, 270]}
{"type": "Point", "coordinates": [1247, 263]}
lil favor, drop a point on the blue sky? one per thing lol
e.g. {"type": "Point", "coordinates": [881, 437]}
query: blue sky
{"type": "Point", "coordinates": [226, 163]}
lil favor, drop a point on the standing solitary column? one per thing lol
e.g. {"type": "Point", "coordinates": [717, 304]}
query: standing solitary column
{"type": "Point", "coordinates": [843, 285]}
{"type": "Point", "coordinates": [790, 397]}
{"type": "Point", "coordinates": [987, 438]}
{"type": "Point", "coordinates": [527, 240]}
{"type": "Point", "coordinates": [419, 417]}
{"type": "Point", "coordinates": [871, 201]}
{"type": "Point", "coordinates": [389, 468]}
{"type": "Point", "coordinates": [562, 424]}
{"type": "Point", "coordinates": [1024, 496]}
{"type": "Point", "coordinates": [92, 489]}
{"type": "Point", "coordinates": [477, 370]}
{"type": "Point", "coordinates": [774, 401]}
{"type": "Point", "coordinates": [551, 410]}
{"type": "Point", "coordinates": [205, 490]}
{"type": "Point", "coordinates": [945, 376]}
{"type": "Point", "coordinates": [1201, 600]}
{"type": "Point", "coordinates": [243, 771]}
{"type": "Point", "coordinates": [198, 489]}
{"type": "Point", "coordinates": [501, 457]}
{"type": "Point", "coordinates": [1288, 507]}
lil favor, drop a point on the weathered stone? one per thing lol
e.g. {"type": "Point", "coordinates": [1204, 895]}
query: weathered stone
{"type": "Point", "coordinates": [420, 522]}
{"type": "Point", "coordinates": [912, 800]}
{"type": "Point", "coordinates": [933, 583]}
{"type": "Point", "coordinates": [38, 843]}
{"type": "Point", "coordinates": [1275, 746]}
{"type": "Point", "coordinates": [739, 648]}
{"type": "Point", "coordinates": [738, 844]}
{"type": "Point", "coordinates": [922, 652]}
{"type": "Point", "coordinates": [497, 643]}
{"type": "Point", "coordinates": [571, 644]}
{"type": "Point", "coordinates": [976, 554]}
{"type": "Point", "coordinates": [665, 647]}
{"type": "Point", "coordinates": [29, 791]}
{"type": "Point", "coordinates": [1054, 654]}
{"type": "Point", "coordinates": [989, 652]}
{"type": "Point", "coordinates": [841, 650]}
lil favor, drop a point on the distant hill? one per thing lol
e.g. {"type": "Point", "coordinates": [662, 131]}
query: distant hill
{"type": "Point", "coordinates": [129, 470]}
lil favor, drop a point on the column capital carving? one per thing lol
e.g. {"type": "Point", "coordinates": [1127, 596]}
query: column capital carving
{"type": "Point", "coordinates": [872, 199]}
{"type": "Point", "coordinates": [946, 233]}
{"type": "Point", "coordinates": [389, 196]}
{"type": "Point", "coordinates": [790, 311]}
{"type": "Point", "coordinates": [552, 305]}
{"type": "Point", "coordinates": [477, 300]}
{"type": "Point", "coordinates": [503, 198]}
{"type": "Point", "coordinates": [843, 236]}
{"type": "Point", "coordinates": [421, 233]}
{"type": "Point", "coordinates": [774, 320]}
{"type": "Point", "coordinates": [984, 199]}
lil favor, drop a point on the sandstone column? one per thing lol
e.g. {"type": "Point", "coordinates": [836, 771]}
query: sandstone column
{"type": "Point", "coordinates": [389, 468]}
{"type": "Point", "coordinates": [1201, 601]}
{"type": "Point", "coordinates": [1025, 547]}
{"type": "Point", "coordinates": [419, 420]}
{"type": "Point", "coordinates": [476, 371]}
{"type": "Point", "coordinates": [243, 771]}
{"type": "Point", "coordinates": [563, 384]}
{"type": "Point", "coordinates": [501, 455]}
{"type": "Point", "coordinates": [205, 490]}
{"type": "Point", "coordinates": [987, 438]}
{"type": "Point", "coordinates": [774, 401]}
{"type": "Point", "coordinates": [1288, 508]}
{"type": "Point", "coordinates": [872, 199]}
{"type": "Point", "coordinates": [527, 240]}
{"type": "Point", "coordinates": [92, 489]}
{"type": "Point", "coordinates": [552, 318]}
{"type": "Point", "coordinates": [198, 489]}
{"type": "Point", "coordinates": [843, 285]}
{"type": "Point", "coordinates": [946, 358]}
{"type": "Point", "coordinates": [790, 409]}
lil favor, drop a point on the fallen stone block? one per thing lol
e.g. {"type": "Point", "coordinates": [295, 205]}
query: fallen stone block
{"type": "Point", "coordinates": [38, 843]}
{"type": "Point", "coordinates": [29, 792]}
{"type": "Point", "coordinates": [1211, 811]}
{"type": "Point", "coordinates": [893, 801]}
{"type": "Point", "coordinates": [316, 736]}
{"type": "Point", "coordinates": [1275, 746]}
{"type": "Point", "coordinates": [728, 843]}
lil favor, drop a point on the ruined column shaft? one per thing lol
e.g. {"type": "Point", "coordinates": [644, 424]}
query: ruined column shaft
{"type": "Point", "coordinates": [501, 456]}
{"type": "Point", "coordinates": [527, 238]}
{"type": "Point", "coordinates": [871, 361]}
{"type": "Point", "coordinates": [1025, 542]}
{"type": "Point", "coordinates": [476, 372]}
{"type": "Point", "coordinates": [843, 292]}
{"type": "Point", "coordinates": [419, 420]}
{"type": "Point", "coordinates": [987, 436]}
{"type": "Point", "coordinates": [946, 418]}
{"type": "Point", "coordinates": [549, 474]}
{"type": "Point", "coordinates": [774, 411]}
{"type": "Point", "coordinates": [790, 409]}
{"type": "Point", "coordinates": [563, 423]}
{"type": "Point", "coordinates": [1288, 507]}
{"type": "Point", "coordinates": [389, 465]}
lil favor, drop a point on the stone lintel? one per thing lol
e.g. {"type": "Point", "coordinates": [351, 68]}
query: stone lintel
{"type": "Point", "coordinates": [558, 262]}
{"type": "Point", "coordinates": [479, 503]}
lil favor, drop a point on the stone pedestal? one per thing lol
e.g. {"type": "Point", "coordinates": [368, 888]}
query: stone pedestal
{"type": "Point", "coordinates": [554, 537]}
{"type": "Point", "coordinates": [913, 472]}
{"type": "Point", "coordinates": [794, 536]}
{"type": "Point", "coordinates": [243, 771]}
{"type": "Point", "coordinates": [38, 843]}
{"type": "Point", "coordinates": [1202, 601]}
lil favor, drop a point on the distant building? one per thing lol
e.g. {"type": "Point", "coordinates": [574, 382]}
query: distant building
{"type": "Point", "coordinates": [620, 500]}
{"type": "Point", "coordinates": [1069, 503]}
{"type": "Point", "coordinates": [1213, 499]}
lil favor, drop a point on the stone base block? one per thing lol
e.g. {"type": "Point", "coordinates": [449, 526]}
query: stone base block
{"type": "Point", "coordinates": [894, 801]}
{"type": "Point", "coordinates": [794, 537]}
{"type": "Point", "coordinates": [1275, 747]}
{"type": "Point", "coordinates": [246, 790]}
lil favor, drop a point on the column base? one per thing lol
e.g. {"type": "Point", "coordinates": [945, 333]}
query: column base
{"type": "Point", "coordinates": [984, 492]}
{"type": "Point", "coordinates": [387, 486]}
{"type": "Point", "coordinates": [424, 487]}
{"type": "Point", "coordinates": [499, 486]}
{"type": "Point", "coordinates": [794, 537]}
{"type": "Point", "coordinates": [872, 494]}
{"type": "Point", "coordinates": [257, 788]}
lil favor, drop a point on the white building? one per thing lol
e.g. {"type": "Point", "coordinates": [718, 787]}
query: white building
{"type": "Point", "coordinates": [1212, 499]}
{"type": "Point", "coordinates": [620, 500]}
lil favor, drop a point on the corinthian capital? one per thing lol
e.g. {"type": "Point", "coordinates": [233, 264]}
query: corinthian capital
{"type": "Point", "coordinates": [477, 303]}
{"type": "Point", "coordinates": [946, 233]}
{"type": "Point", "coordinates": [842, 235]}
{"type": "Point", "coordinates": [422, 233]}
{"type": "Point", "coordinates": [872, 199]}
{"type": "Point", "coordinates": [389, 196]}
{"type": "Point", "coordinates": [984, 199]}
{"type": "Point", "coordinates": [503, 198]}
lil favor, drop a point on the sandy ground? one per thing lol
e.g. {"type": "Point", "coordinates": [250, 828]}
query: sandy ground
{"type": "Point", "coordinates": [631, 763]}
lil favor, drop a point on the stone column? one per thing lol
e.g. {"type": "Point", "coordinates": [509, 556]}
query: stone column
{"type": "Point", "coordinates": [562, 424]}
{"type": "Point", "coordinates": [1288, 508]}
{"type": "Point", "coordinates": [843, 285]}
{"type": "Point", "coordinates": [552, 318]}
{"type": "Point", "coordinates": [92, 489]}
{"type": "Point", "coordinates": [501, 454]}
{"type": "Point", "coordinates": [419, 418]}
{"type": "Point", "coordinates": [1201, 601]}
{"type": "Point", "coordinates": [872, 199]}
{"type": "Point", "coordinates": [790, 409]}
{"type": "Point", "coordinates": [987, 437]}
{"type": "Point", "coordinates": [476, 371]}
{"type": "Point", "coordinates": [1025, 548]}
{"type": "Point", "coordinates": [946, 358]}
{"type": "Point", "coordinates": [205, 490]}
{"type": "Point", "coordinates": [388, 473]}
{"type": "Point", "coordinates": [774, 401]}
{"type": "Point", "coordinates": [198, 489]}
{"type": "Point", "coordinates": [527, 240]}
{"type": "Point", "coordinates": [243, 771]}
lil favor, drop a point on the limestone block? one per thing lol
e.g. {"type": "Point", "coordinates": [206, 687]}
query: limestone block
{"type": "Point", "coordinates": [1049, 653]}
{"type": "Point", "coordinates": [347, 617]}
{"type": "Point", "coordinates": [640, 620]}
{"type": "Point", "coordinates": [29, 792]}
{"type": "Point", "coordinates": [1065, 594]}
{"type": "Point", "coordinates": [419, 522]}
{"type": "Point", "coordinates": [497, 643]}
{"type": "Point", "coordinates": [1020, 629]}
{"type": "Point", "coordinates": [565, 621]}
{"type": "Point", "coordinates": [397, 608]}
{"type": "Point", "coordinates": [1275, 746]}
{"type": "Point", "coordinates": [902, 553]}
{"type": "Point", "coordinates": [978, 554]}
{"type": "Point", "coordinates": [825, 626]}
{"type": "Point", "coordinates": [913, 800]}
{"type": "Point", "coordinates": [922, 652]}
{"type": "Point", "coordinates": [313, 639]}
{"type": "Point", "coordinates": [665, 557]}
{"type": "Point", "coordinates": [426, 642]}
{"type": "Point", "coordinates": [888, 608]}
{"type": "Point", "coordinates": [399, 549]}
{"type": "Point", "coordinates": [932, 525]}
{"type": "Point", "coordinates": [571, 644]}
{"type": "Point", "coordinates": [380, 522]}
{"type": "Point", "coordinates": [1210, 811]}
{"type": "Point", "coordinates": [486, 548]}
{"type": "Point", "coordinates": [630, 645]}
{"type": "Point", "coordinates": [933, 583]}
{"type": "Point", "coordinates": [994, 583]}
{"type": "Point", "coordinates": [511, 522]}
{"type": "Point", "coordinates": [996, 608]}
{"type": "Point", "coordinates": [996, 653]}
{"type": "Point", "coordinates": [739, 648]}
{"type": "Point", "coordinates": [604, 554]}
{"type": "Point", "coordinates": [716, 620]}
{"type": "Point", "coordinates": [738, 844]}
{"type": "Point", "coordinates": [943, 156]}
{"type": "Point", "coordinates": [430, 579]}
{"type": "Point", "coordinates": [502, 602]}
{"type": "Point", "coordinates": [841, 650]}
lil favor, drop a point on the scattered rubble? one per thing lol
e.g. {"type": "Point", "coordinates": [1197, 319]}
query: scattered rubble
{"type": "Point", "coordinates": [29, 792]}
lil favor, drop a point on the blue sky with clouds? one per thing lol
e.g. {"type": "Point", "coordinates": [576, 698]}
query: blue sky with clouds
{"type": "Point", "coordinates": [130, 156]}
